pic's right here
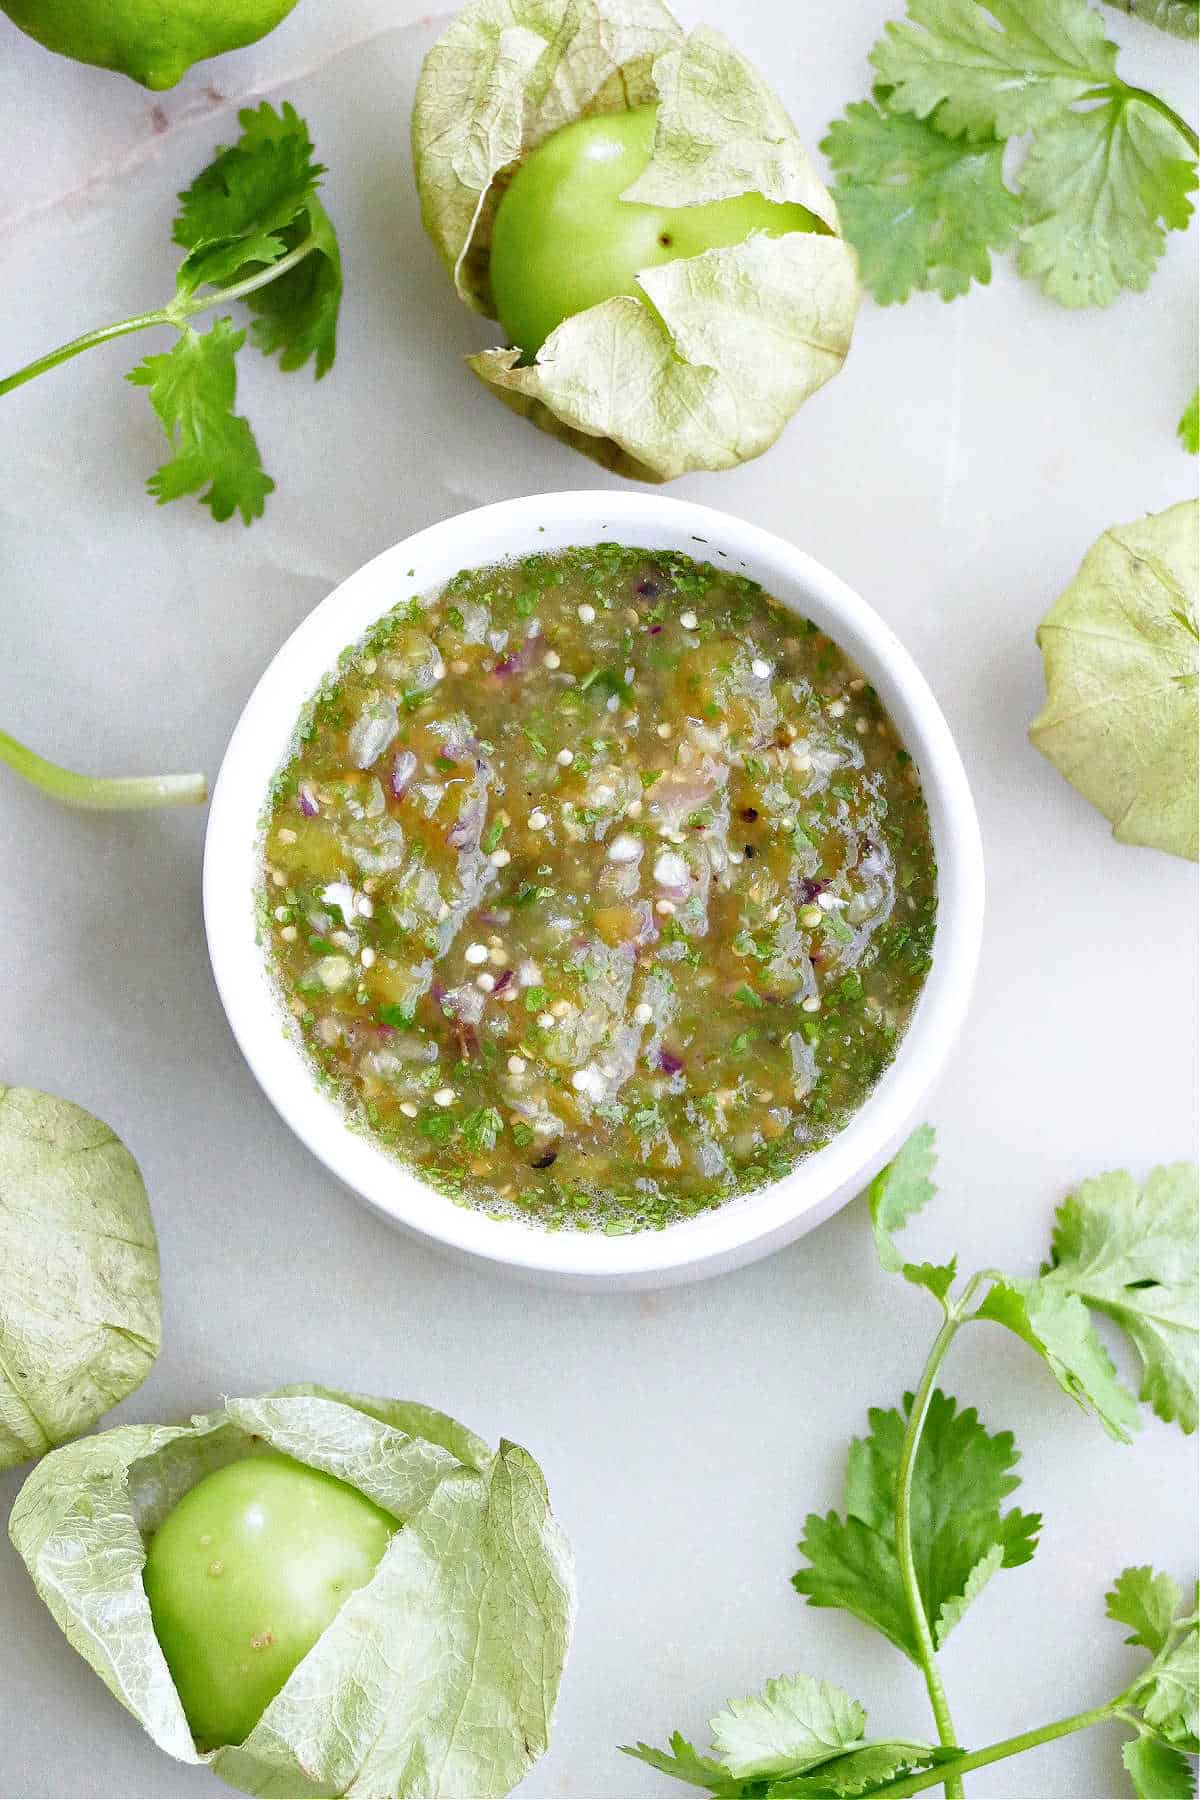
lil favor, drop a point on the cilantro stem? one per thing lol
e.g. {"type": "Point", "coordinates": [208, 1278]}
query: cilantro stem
{"type": "Point", "coordinates": [65, 352]}
{"type": "Point", "coordinates": [177, 312]}
{"type": "Point", "coordinates": [202, 302]}
{"type": "Point", "coordinates": [1013, 1746]}
{"type": "Point", "coordinates": [1167, 112]}
{"type": "Point", "coordinates": [927, 1655]}
{"type": "Point", "coordinates": [99, 793]}
{"type": "Point", "coordinates": [1125, 92]}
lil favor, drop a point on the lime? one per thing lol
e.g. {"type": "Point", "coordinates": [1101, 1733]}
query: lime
{"type": "Point", "coordinates": [155, 41]}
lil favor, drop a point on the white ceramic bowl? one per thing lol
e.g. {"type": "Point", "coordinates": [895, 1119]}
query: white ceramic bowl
{"type": "Point", "coordinates": [743, 1228]}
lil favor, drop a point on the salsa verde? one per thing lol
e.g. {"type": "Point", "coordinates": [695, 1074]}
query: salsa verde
{"type": "Point", "coordinates": [599, 886]}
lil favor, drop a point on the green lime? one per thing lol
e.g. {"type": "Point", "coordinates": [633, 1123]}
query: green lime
{"type": "Point", "coordinates": [155, 41]}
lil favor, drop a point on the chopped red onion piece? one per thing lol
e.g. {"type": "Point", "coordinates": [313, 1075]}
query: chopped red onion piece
{"type": "Point", "coordinates": [468, 827]}
{"type": "Point", "coordinates": [460, 749]}
{"type": "Point", "coordinates": [308, 800]}
{"type": "Point", "coordinates": [517, 661]}
{"type": "Point", "coordinates": [669, 1063]}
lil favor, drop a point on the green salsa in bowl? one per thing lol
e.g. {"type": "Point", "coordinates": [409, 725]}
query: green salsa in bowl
{"type": "Point", "coordinates": [613, 887]}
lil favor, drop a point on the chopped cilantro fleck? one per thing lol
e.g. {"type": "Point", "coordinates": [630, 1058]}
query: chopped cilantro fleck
{"type": "Point", "coordinates": [482, 1127]}
{"type": "Point", "coordinates": [436, 1125]}
{"type": "Point", "coordinates": [529, 892]}
{"type": "Point", "coordinates": [396, 1016]}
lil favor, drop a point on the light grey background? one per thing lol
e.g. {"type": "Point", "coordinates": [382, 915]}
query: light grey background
{"type": "Point", "coordinates": [955, 473]}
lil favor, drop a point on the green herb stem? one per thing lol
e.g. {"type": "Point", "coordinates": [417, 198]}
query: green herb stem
{"type": "Point", "coordinates": [1013, 1746]}
{"type": "Point", "coordinates": [904, 1550]}
{"type": "Point", "coordinates": [1122, 90]}
{"type": "Point", "coordinates": [98, 793]}
{"type": "Point", "coordinates": [1167, 112]}
{"type": "Point", "coordinates": [202, 302]}
{"type": "Point", "coordinates": [177, 313]}
{"type": "Point", "coordinates": [65, 352]}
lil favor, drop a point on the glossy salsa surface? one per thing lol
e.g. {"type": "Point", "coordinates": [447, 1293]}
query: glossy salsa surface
{"type": "Point", "coordinates": [599, 887]}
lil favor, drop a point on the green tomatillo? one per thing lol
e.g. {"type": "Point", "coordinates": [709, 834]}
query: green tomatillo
{"type": "Point", "coordinates": [243, 1576]}
{"type": "Point", "coordinates": [154, 41]}
{"type": "Point", "coordinates": [565, 240]}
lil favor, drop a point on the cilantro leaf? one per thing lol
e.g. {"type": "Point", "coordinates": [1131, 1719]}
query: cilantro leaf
{"type": "Point", "coordinates": [192, 389]}
{"type": "Point", "coordinates": [855, 1569]}
{"type": "Point", "coordinates": [255, 204]}
{"type": "Point", "coordinates": [1098, 187]}
{"type": "Point", "coordinates": [258, 185]}
{"type": "Point", "coordinates": [937, 1277]}
{"type": "Point", "coordinates": [1172, 1704]}
{"type": "Point", "coordinates": [1188, 428]}
{"type": "Point", "coordinates": [797, 1737]}
{"type": "Point", "coordinates": [686, 1764]}
{"type": "Point", "coordinates": [1003, 67]}
{"type": "Point", "coordinates": [218, 262]}
{"type": "Point", "coordinates": [897, 1192]}
{"type": "Point", "coordinates": [1059, 1327]}
{"type": "Point", "coordinates": [860, 1771]}
{"type": "Point", "coordinates": [923, 211]}
{"type": "Point", "coordinates": [1107, 174]}
{"type": "Point", "coordinates": [961, 1476]}
{"type": "Point", "coordinates": [792, 1725]}
{"type": "Point", "coordinates": [1146, 1601]}
{"type": "Point", "coordinates": [1157, 1771]}
{"type": "Point", "coordinates": [1132, 1255]}
{"type": "Point", "coordinates": [298, 312]}
{"type": "Point", "coordinates": [1169, 1691]}
{"type": "Point", "coordinates": [953, 1609]}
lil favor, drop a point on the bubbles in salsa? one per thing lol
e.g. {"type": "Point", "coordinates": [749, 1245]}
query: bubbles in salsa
{"type": "Point", "coordinates": [599, 887]}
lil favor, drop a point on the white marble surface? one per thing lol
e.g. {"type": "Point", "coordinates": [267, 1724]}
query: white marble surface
{"type": "Point", "coordinates": [955, 473]}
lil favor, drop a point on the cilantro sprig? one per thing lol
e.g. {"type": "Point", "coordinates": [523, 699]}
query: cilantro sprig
{"type": "Point", "coordinates": [921, 183]}
{"type": "Point", "coordinates": [254, 231]}
{"type": "Point", "coordinates": [927, 1524]}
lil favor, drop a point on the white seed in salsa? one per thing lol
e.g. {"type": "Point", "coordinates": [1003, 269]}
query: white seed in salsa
{"type": "Point", "coordinates": [599, 887]}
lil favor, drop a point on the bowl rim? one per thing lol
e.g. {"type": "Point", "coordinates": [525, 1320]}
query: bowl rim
{"type": "Point", "coordinates": [742, 1228]}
